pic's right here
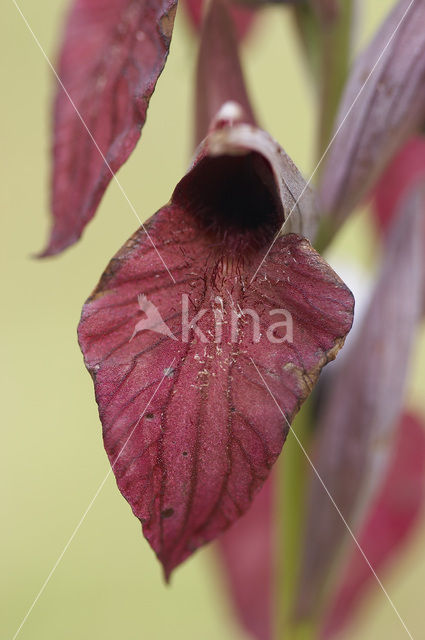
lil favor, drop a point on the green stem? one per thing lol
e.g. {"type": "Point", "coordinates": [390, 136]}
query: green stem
{"type": "Point", "coordinates": [335, 61]}
{"type": "Point", "coordinates": [308, 29]}
{"type": "Point", "coordinates": [325, 234]}
{"type": "Point", "coordinates": [302, 631]}
{"type": "Point", "coordinates": [292, 475]}
{"type": "Point", "coordinates": [327, 46]}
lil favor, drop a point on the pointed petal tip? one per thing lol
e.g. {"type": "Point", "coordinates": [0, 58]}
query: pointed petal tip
{"type": "Point", "coordinates": [57, 243]}
{"type": "Point", "coordinates": [167, 573]}
{"type": "Point", "coordinates": [112, 55]}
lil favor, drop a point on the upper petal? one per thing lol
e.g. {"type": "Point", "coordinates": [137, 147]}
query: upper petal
{"type": "Point", "coordinates": [219, 75]}
{"type": "Point", "coordinates": [112, 55]}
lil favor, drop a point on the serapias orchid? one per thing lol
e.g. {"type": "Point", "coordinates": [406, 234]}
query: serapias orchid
{"type": "Point", "coordinates": [202, 446]}
{"type": "Point", "coordinates": [209, 328]}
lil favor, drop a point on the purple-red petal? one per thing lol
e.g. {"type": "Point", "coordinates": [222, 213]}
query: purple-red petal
{"type": "Point", "coordinates": [248, 559]}
{"type": "Point", "coordinates": [405, 170]}
{"type": "Point", "coordinates": [382, 106]}
{"type": "Point", "coordinates": [243, 17]}
{"type": "Point", "coordinates": [387, 526]}
{"type": "Point", "coordinates": [219, 76]}
{"type": "Point", "coordinates": [202, 446]}
{"type": "Point", "coordinates": [112, 55]}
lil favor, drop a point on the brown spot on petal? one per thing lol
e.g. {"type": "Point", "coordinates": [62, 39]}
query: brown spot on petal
{"type": "Point", "coordinates": [167, 22]}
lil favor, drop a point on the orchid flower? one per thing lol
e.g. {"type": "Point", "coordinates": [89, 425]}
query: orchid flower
{"type": "Point", "coordinates": [210, 327]}
{"type": "Point", "coordinates": [202, 447]}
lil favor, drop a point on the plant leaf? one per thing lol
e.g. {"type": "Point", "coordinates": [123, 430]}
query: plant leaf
{"type": "Point", "coordinates": [112, 55]}
{"type": "Point", "coordinates": [389, 523]}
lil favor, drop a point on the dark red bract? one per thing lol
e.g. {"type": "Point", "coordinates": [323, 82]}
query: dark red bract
{"type": "Point", "coordinates": [113, 53]}
{"type": "Point", "coordinates": [243, 17]}
{"type": "Point", "coordinates": [405, 171]}
{"type": "Point", "coordinates": [248, 553]}
{"type": "Point", "coordinates": [389, 522]}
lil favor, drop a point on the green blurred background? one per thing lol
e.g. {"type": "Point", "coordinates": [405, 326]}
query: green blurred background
{"type": "Point", "coordinates": [108, 583]}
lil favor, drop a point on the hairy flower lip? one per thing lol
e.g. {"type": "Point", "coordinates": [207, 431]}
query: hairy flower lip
{"type": "Point", "coordinates": [210, 435]}
{"type": "Point", "coordinates": [213, 429]}
{"type": "Point", "coordinates": [244, 161]}
{"type": "Point", "coordinates": [235, 200]}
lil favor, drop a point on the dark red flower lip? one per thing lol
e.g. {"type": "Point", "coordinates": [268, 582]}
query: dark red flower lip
{"type": "Point", "coordinates": [207, 443]}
